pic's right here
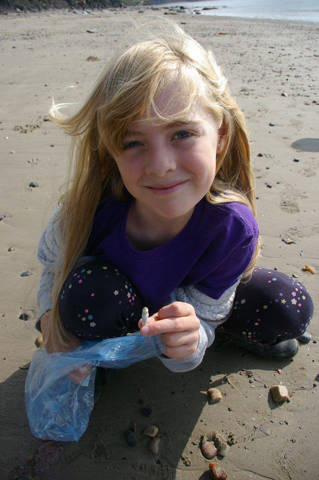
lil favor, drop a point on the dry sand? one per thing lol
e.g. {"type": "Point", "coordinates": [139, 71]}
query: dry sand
{"type": "Point", "coordinates": [45, 55]}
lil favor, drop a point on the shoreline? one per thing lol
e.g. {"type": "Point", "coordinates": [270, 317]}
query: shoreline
{"type": "Point", "coordinates": [153, 7]}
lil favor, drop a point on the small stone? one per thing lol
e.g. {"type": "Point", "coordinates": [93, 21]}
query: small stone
{"type": "Point", "coordinates": [287, 240]}
{"type": "Point", "coordinates": [208, 449]}
{"type": "Point", "coordinates": [146, 411]}
{"type": "Point", "coordinates": [217, 471]}
{"type": "Point", "coordinates": [186, 460]}
{"type": "Point", "coordinates": [284, 94]}
{"type": "Point", "coordinates": [27, 273]}
{"type": "Point", "coordinates": [39, 340]}
{"type": "Point", "coordinates": [33, 184]}
{"type": "Point", "coordinates": [296, 159]}
{"type": "Point", "coordinates": [279, 393]}
{"type": "Point", "coordinates": [260, 154]}
{"type": "Point", "coordinates": [221, 445]}
{"type": "Point", "coordinates": [214, 395]}
{"type": "Point", "coordinates": [2, 217]}
{"type": "Point", "coordinates": [308, 268]}
{"type": "Point", "coordinates": [154, 445]}
{"type": "Point", "coordinates": [11, 249]}
{"type": "Point", "coordinates": [24, 316]}
{"type": "Point", "coordinates": [271, 124]}
{"type": "Point", "coordinates": [92, 58]}
{"type": "Point", "coordinates": [132, 426]}
{"type": "Point", "coordinates": [151, 431]}
{"type": "Point", "coordinates": [130, 438]}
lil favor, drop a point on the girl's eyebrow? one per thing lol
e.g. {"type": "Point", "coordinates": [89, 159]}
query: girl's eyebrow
{"type": "Point", "coordinates": [167, 126]}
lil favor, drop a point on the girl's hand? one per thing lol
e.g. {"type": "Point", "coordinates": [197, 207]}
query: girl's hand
{"type": "Point", "coordinates": [80, 373]}
{"type": "Point", "coordinates": [178, 325]}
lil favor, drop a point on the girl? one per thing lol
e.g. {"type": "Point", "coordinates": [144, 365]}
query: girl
{"type": "Point", "coordinates": [161, 213]}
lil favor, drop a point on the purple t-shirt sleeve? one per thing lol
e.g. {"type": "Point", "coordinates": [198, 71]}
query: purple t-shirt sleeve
{"type": "Point", "coordinates": [239, 239]}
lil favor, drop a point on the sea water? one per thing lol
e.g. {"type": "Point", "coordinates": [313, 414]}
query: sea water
{"type": "Point", "coordinates": [302, 10]}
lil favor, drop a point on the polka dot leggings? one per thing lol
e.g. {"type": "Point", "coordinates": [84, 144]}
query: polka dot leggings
{"type": "Point", "coordinates": [269, 308]}
{"type": "Point", "coordinates": [98, 301]}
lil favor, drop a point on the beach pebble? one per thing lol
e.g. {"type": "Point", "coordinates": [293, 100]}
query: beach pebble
{"type": "Point", "coordinates": [284, 94]}
{"type": "Point", "coordinates": [92, 58]}
{"type": "Point", "coordinates": [130, 438]}
{"type": "Point", "coordinates": [146, 411]}
{"type": "Point", "coordinates": [154, 445]}
{"type": "Point", "coordinates": [151, 431]}
{"type": "Point", "coordinates": [132, 426]}
{"type": "Point", "coordinates": [24, 316]}
{"type": "Point", "coordinates": [208, 449]}
{"type": "Point", "coordinates": [271, 124]}
{"type": "Point", "coordinates": [39, 340]}
{"type": "Point", "coordinates": [221, 445]}
{"type": "Point", "coordinates": [186, 460]}
{"type": "Point", "coordinates": [296, 159]}
{"type": "Point", "coordinates": [48, 454]}
{"type": "Point", "coordinates": [27, 273]}
{"type": "Point", "coordinates": [217, 471]}
{"type": "Point", "coordinates": [2, 217]}
{"type": "Point", "coordinates": [11, 249]}
{"type": "Point", "coordinates": [287, 240]}
{"type": "Point", "coordinates": [33, 184]}
{"type": "Point", "coordinates": [279, 393]}
{"type": "Point", "coordinates": [308, 268]}
{"type": "Point", "coordinates": [214, 395]}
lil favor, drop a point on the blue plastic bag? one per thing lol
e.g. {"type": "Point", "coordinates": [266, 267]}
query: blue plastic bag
{"type": "Point", "coordinates": [59, 409]}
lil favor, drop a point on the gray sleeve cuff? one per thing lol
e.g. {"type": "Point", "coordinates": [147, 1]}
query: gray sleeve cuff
{"type": "Point", "coordinates": [206, 338]}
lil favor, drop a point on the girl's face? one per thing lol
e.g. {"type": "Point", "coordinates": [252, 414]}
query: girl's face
{"type": "Point", "coordinates": [169, 168]}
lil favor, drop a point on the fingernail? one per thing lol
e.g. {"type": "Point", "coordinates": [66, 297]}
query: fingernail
{"type": "Point", "coordinates": [145, 331]}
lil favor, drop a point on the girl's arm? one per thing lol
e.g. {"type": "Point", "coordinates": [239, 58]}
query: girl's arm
{"type": "Point", "coordinates": [48, 252]}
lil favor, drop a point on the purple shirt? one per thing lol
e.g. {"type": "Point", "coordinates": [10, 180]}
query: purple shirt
{"type": "Point", "coordinates": [210, 252]}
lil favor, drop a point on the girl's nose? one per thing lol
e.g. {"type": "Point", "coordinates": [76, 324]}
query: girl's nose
{"type": "Point", "coordinates": [160, 161]}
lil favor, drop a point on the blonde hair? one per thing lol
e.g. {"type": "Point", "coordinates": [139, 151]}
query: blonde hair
{"type": "Point", "coordinates": [126, 90]}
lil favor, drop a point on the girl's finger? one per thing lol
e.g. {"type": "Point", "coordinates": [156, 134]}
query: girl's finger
{"type": "Point", "coordinates": [180, 339]}
{"type": "Point", "coordinates": [176, 309]}
{"type": "Point", "coordinates": [170, 325]}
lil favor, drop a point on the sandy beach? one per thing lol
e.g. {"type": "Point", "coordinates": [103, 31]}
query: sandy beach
{"type": "Point", "coordinates": [272, 67]}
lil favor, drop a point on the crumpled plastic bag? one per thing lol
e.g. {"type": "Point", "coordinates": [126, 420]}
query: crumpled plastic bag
{"type": "Point", "coordinates": [59, 409]}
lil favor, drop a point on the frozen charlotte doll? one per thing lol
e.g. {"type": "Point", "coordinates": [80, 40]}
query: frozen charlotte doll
{"type": "Point", "coordinates": [160, 212]}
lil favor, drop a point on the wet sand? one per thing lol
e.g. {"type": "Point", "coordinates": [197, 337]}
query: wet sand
{"type": "Point", "coordinates": [273, 71]}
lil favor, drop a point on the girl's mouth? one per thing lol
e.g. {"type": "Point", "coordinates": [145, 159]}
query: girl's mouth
{"type": "Point", "coordinates": [164, 189]}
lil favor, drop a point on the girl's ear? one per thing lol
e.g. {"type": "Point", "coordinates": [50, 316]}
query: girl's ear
{"type": "Point", "coordinates": [222, 139]}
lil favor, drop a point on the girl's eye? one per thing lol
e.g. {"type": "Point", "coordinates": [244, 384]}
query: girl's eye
{"type": "Point", "coordinates": [132, 144]}
{"type": "Point", "coordinates": [182, 134]}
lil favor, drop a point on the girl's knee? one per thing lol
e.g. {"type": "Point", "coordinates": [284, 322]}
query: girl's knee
{"type": "Point", "coordinates": [99, 301]}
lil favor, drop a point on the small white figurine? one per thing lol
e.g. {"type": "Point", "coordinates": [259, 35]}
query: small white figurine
{"type": "Point", "coordinates": [145, 314]}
